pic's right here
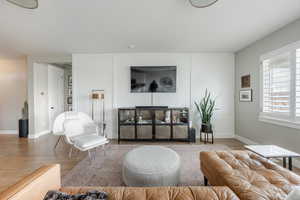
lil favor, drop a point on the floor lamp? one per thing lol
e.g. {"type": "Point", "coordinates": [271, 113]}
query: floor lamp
{"type": "Point", "coordinates": [98, 109]}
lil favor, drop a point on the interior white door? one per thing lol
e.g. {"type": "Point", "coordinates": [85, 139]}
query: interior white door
{"type": "Point", "coordinates": [55, 92]}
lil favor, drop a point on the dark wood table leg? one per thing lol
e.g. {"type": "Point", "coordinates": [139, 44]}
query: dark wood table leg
{"type": "Point", "coordinates": [284, 162]}
{"type": "Point", "coordinates": [290, 164]}
{"type": "Point", "coordinates": [205, 181]}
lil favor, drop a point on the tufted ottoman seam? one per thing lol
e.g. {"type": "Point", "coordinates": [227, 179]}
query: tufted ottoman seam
{"type": "Point", "coordinates": [227, 161]}
{"type": "Point", "coordinates": [215, 192]}
{"type": "Point", "coordinates": [192, 193]}
{"type": "Point", "coordinates": [123, 191]}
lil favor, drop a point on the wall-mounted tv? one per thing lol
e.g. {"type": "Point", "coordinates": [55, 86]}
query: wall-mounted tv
{"type": "Point", "coordinates": [153, 79]}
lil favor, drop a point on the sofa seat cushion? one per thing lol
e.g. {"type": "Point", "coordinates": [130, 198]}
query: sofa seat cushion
{"type": "Point", "coordinates": [160, 193]}
{"type": "Point", "coordinates": [86, 141]}
{"type": "Point", "coordinates": [250, 176]}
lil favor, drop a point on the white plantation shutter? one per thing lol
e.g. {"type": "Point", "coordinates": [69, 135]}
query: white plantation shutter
{"type": "Point", "coordinates": [276, 84]}
{"type": "Point", "coordinates": [297, 95]}
{"type": "Point", "coordinates": [280, 86]}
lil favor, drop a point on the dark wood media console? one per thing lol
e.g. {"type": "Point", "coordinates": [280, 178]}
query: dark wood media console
{"type": "Point", "coordinates": [153, 124]}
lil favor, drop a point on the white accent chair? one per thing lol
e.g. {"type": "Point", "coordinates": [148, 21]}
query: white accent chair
{"type": "Point", "coordinates": [80, 131]}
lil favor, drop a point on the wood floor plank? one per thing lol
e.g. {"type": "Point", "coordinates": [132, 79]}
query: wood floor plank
{"type": "Point", "coordinates": [19, 156]}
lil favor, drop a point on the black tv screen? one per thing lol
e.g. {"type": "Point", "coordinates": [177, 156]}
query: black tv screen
{"type": "Point", "coordinates": [153, 79]}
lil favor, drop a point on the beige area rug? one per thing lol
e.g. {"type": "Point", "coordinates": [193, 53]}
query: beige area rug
{"type": "Point", "coordinates": [107, 170]}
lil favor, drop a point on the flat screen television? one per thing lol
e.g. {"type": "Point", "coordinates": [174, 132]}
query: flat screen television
{"type": "Point", "coordinates": [153, 79]}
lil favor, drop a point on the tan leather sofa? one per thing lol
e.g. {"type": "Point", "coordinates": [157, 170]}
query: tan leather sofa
{"type": "Point", "coordinates": [250, 176]}
{"type": "Point", "coordinates": [36, 185]}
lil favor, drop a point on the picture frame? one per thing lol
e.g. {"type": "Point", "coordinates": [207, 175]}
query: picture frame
{"type": "Point", "coordinates": [70, 80]}
{"type": "Point", "coordinates": [246, 81]}
{"type": "Point", "coordinates": [69, 100]}
{"type": "Point", "coordinates": [246, 95]}
{"type": "Point", "coordinates": [69, 92]}
{"type": "Point", "coordinates": [69, 107]}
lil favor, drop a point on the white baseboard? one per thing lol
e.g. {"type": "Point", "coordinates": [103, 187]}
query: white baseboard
{"type": "Point", "coordinates": [9, 132]}
{"type": "Point", "coordinates": [244, 140]}
{"type": "Point", "coordinates": [296, 162]}
{"type": "Point", "coordinates": [37, 135]}
{"type": "Point", "coordinates": [219, 135]}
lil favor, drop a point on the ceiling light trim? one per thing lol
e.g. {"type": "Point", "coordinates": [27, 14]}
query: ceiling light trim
{"type": "Point", "coordinates": [210, 4]}
{"type": "Point", "coordinates": [22, 6]}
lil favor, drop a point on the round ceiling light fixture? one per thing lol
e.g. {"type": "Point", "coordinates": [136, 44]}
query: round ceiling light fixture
{"type": "Point", "coordinates": [202, 3]}
{"type": "Point", "coordinates": [29, 4]}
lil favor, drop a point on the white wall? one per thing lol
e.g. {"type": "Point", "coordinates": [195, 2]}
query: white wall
{"type": "Point", "coordinates": [195, 72]}
{"type": "Point", "coordinates": [13, 92]}
{"type": "Point", "coordinates": [92, 72]}
{"type": "Point", "coordinates": [248, 62]}
{"type": "Point", "coordinates": [216, 73]}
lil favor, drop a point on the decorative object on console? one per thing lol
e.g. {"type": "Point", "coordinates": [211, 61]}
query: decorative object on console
{"type": "Point", "coordinates": [168, 116]}
{"type": "Point", "coordinates": [202, 3]}
{"type": "Point", "coordinates": [98, 109]}
{"type": "Point", "coordinates": [23, 123]}
{"type": "Point", "coordinates": [246, 95]}
{"type": "Point", "coordinates": [29, 4]}
{"type": "Point", "coordinates": [246, 81]}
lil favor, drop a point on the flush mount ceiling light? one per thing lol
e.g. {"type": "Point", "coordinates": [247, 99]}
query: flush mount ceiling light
{"type": "Point", "coordinates": [202, 3]}
{"type": "Point", "coordinates": [29, 4]}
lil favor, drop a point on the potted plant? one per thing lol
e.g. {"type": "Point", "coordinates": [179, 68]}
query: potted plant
{"type": "Point", "coordinates": [206, 108]}
{"type": "Point", "coordinates": [23, 123]}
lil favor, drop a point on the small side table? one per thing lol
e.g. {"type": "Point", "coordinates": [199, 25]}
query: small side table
{"type": "Point", "coordinates": [206, 137]}
{"type": "Point", "coordinates": [273, 151]}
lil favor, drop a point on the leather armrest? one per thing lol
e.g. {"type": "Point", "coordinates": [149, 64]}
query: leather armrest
{"type": "Point", "coordinates": [36, 185]}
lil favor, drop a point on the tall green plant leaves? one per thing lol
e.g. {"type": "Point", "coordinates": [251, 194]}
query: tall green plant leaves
{"type": "Point", "coordinates": [206, 107]}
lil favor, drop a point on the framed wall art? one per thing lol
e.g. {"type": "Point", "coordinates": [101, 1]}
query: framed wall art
{"type": "Point", "coordinates": [246, 95]}
{"type": "Point", "coordinates": [245, 81]}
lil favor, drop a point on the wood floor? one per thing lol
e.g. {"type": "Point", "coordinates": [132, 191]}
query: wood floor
{"type": "Point", "coordinates": [19, 157]}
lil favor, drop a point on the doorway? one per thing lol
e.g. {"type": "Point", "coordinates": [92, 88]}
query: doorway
{"type": "Point", "coordinates": [55, 92]}
{"type": "Point", "coordinates": [52, 94]}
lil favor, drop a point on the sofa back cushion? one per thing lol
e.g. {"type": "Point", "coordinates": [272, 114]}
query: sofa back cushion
{"type": "Point", "coordinates": [34, 186]}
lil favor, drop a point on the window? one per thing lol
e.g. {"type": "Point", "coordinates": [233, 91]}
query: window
{"type": "Point", "coordinates": [276, 85]}
{"type": "Point", "coordinates": [280, 86]}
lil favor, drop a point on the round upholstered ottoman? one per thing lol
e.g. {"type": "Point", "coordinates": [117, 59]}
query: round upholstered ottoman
{"type": "Point", "coordinates": [151, 166]}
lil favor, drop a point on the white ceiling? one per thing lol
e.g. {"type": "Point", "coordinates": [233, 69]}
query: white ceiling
{"type": "Point", "coordinates": [62, 27]}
